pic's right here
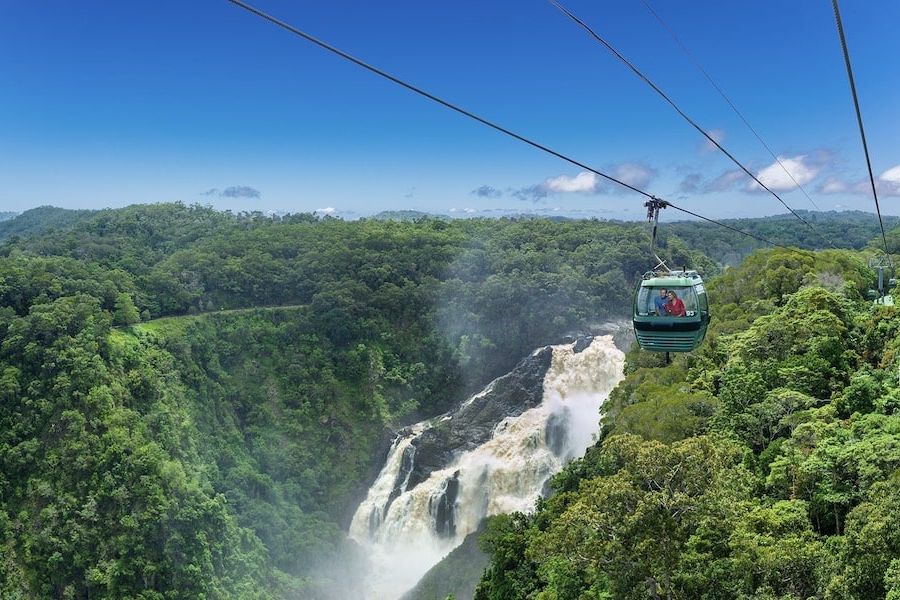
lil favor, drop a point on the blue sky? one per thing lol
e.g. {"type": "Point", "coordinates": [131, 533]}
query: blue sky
{"type": "Point", "coordinates": [113, 103]}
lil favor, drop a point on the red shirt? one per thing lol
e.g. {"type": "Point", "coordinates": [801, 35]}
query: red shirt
{"type": "Point", "coordinates": [675, 308]}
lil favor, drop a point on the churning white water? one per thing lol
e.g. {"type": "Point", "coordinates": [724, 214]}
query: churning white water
{"type": "Point", "coordinates": [505, 474]}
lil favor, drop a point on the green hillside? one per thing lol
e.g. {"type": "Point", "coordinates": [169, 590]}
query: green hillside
{"type": "Point", "coordinates": [38, 221]}
{"type": "Point", "coordinates": [763, 466]}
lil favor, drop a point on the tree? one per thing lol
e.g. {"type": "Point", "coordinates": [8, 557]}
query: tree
{"type": "Point", "coordinates": [626, 533]}
{"type": "Point", "coordinates": [864, 563]}
{"type": "Point", "coordinates": [124, 311]}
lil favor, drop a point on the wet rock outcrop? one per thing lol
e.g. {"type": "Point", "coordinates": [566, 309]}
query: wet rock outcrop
{"type": "Point", "coordinates": [472, 423]}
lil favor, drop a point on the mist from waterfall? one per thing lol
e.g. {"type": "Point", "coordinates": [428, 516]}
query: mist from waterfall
{"type": "Point", "coordinates": [407, 531]}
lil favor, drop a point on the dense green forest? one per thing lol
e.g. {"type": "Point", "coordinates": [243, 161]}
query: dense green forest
{"type": "Point", "coordinates": [192, 402]}
{"type": "Point", "coordinates": [762, 466]}
{"type": "Point", "coordinates": [847, 229]}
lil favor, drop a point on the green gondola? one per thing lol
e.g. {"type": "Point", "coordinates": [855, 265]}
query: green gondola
{"type": "Point", "coordinates": [663, 333]}
{"type": "Point", "coordinates": [884, 266]}
{"type": "Point", "coordinates": [657, 328]}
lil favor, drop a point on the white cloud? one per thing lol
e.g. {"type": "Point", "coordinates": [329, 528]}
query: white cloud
{"type": "Point", "coordinates": [725, 181]}
{"type": "Point", "coordinates": [634, 174]}
{"type": "Point", "coordinates": [802, 167]}
{"type": "Point", "coordinates": [834, 186]}
{"type": "Point", "coordinates": [583, 183]}
{"type": "Point", "coordinates": [587, 182]}
{"type": "Point", "coordinates": [890, 180]}
{"type": "Point", "coordinates": [326, 211]}
{"type": "Point", "coordinates": [707, 146]}
{"type": "Point", "coordinates": [888, 184]}
{"type": "Point", "coordinates": [892, 174]}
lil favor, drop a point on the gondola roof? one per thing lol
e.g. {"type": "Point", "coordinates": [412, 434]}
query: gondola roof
{"type": "Point", "coordinates": [672, 279]}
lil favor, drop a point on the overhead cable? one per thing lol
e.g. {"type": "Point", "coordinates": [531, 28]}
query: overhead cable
{"type": "Point", "coordinates": [862, 131]}
{"type": "Point", "coordinates": [684, 115]}
{"type": "Point", "coordinates": [728, 100]}
{"type": "Point", "coordinates": [349, 57]}
{"type": "Point", "coordinates": [429, 95]}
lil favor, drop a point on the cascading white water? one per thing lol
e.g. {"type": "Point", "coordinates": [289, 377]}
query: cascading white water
{"type": "Point", "coordinates": [405, 530]}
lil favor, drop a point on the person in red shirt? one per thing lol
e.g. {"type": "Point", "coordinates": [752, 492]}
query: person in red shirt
{"type": "Point", "coordinates": [675, 307]}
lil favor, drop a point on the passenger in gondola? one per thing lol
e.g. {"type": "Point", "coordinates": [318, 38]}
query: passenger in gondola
{"type": "Point", "coordinates": [675, 307]}
{"type": "Point", "coordinates": [660, 302]}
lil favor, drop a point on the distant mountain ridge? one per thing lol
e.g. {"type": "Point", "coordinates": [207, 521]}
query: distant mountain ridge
{"type": "Point", "coordinates": [405, 215]}
{"type": "Point", "coordinates": [848, 229]}
{"type": "Point", "coordinates": [39, 220]}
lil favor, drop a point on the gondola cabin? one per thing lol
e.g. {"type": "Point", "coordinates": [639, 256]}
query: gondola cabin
{"type": "Point", "coordinates": [884, 266]}
{"type": "Point", "coordinates": [656, 327]}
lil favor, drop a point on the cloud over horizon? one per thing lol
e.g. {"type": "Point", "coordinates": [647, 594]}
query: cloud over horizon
{"type": "Point", "coordinates": [891, 180]}
{"type": "Point", "coordinates": [803, 167]}
{"type": "Point", "coordinates": [486, 191]}
{"type": "Point", "coordinates": [833, 185]}
{"type": "Point", "coordinates": [635, 174]}
{"type": "Point", "coordinates": [588, 183]}
{"type": "Point", "coordinates": [777, 176]}
{"type": "Point", "coordinates": [706, 146]}
{"type": "Point", "coordinates": [887, 184]}
{"type": "Point", "coordinates": [724, 182]}
{"type": "Point", "coordinates": [235, 191]}
{"type": "Point", "coordinates": [691, 183]}
{"type": "Point", "coordinates": [583, 183]}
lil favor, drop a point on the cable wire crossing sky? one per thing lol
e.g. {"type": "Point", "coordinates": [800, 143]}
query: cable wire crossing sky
{"type": "Point", "coordinates": [203, 102]}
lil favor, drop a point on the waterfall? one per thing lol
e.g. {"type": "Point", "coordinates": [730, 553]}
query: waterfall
{"type": "Point", "coordinates": [410, 520]}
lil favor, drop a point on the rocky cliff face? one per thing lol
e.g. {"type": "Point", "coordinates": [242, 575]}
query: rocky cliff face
{"type": "Point", "coordinates": [472, 424]}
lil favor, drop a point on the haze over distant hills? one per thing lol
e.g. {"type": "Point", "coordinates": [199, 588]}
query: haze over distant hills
{"type": "Point", "coordinates": [854, 227]}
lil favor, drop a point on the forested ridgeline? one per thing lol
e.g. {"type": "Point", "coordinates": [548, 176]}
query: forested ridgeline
{"type": "Point", "coordinates": [457, 279]}
{"type": "Point", "coordinates": [173, 225]}
{"type": "Point", "coordinates": [762, 466]}
{"type": "Point", "coordinates": [192, 401]}
{"type": "Point", "coordinates": [846, 229]}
